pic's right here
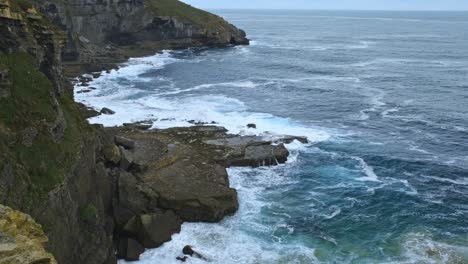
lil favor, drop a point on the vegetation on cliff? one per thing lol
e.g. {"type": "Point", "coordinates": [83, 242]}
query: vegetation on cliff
{"type": "Point", "coordinates": [38, 161]}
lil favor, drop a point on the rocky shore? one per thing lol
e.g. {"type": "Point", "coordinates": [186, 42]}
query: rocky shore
{"type": "Point", "coordinates": [166, 177]}
{"type": "Point", "coordinates": [105, 193]}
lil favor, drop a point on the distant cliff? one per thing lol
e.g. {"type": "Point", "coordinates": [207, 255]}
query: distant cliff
{"type": "Point", "coordinates": [53, 164]}
{"type": "Point", "coordinates": [104, 31]}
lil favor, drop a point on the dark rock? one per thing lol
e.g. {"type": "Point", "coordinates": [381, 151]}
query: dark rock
{"type": "Point", "coordinates": [139, 125]}
{"type": "Point", "coordinates": [126, 158]}
{"type": "Point", "coordinates": [87, 112]}
{"type": "Point", "coordinates": [266, 155]}
{"type": "Point", "coordinates": [124, 142]}
{"type": "Point", "coordinates": [152, 230]}
{"type": "Point", "coordinates": [187, 250]}
{"type": "Point", "coordinates": [182, 258]}
{"type": "Point", "coordinates": [84, 91]}
{"type": "Point", "coordinates": [250, 151]}
{"type": "Point", "coordinates": [195, 191]}
{"type": "Point", "coordinates": [251, 126]}
{"type": "Point", "coordinates": [290, 139]}
{"type": "Point", "coordinates": [107, 111]}
{"type": "Point", "coordinates": [131, 199]}
{"type": "Point", "coordinates": [129, 249]}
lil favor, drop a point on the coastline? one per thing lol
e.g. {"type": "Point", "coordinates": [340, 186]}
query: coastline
{"type": "Point", "coordinates": [203, 147]}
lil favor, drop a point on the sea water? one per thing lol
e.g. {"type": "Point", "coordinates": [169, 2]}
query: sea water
{"type": "Point", "coordinates": [383, 99]}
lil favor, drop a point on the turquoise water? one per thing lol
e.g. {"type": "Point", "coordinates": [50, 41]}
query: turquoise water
{"type": "Point", "coordinates": [381, 95]}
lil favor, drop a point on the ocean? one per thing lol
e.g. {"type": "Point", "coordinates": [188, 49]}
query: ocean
{"type": "Point", "coordinates": [383, 99]}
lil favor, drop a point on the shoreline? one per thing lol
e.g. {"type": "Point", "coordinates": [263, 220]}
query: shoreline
{"type": "Point", "coordinates": [203, 147]}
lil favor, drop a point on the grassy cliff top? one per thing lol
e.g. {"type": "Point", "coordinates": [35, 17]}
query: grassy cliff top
{"type": "Point", "coordinates": [186, 13]}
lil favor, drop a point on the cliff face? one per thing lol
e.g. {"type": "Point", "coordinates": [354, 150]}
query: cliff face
{"type": "Point", "coordinates": [53, 165]}
{"type": "Point", "coordinates": [47, 162]}
{"type": "Point", "coordinates": [100, 32]}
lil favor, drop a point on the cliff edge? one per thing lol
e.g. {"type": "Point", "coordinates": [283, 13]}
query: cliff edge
{"type": "Point", "coordinates": [102, 32]}
{"type": "Point", "coordinates": [56, 167]}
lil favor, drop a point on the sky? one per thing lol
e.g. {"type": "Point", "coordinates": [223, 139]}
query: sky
{"type": "Point", "coordinates": [458, 5]}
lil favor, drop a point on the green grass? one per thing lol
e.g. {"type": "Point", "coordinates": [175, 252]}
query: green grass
{"type": "Point", "coordinates": [45, 164]}
{"type": "Point", "coordinates": [185, 13]}
{"type": "Point", "coordinates": [88, 213]}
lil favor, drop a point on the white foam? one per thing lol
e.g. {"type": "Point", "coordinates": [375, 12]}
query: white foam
{"type": "Point", "coordinates": [239, 84]}
{"type": "Point", "coordinates": [463, 181]}
{"type": "Point", "coordinates": [238, 239]}
{"type": "Point", "coordinates": [368, 170]}
{"type": "Point", "coordinates": [421, 248]}
{"type": "Point", "coordinates": [388, 111]}
{"type": "Point", "coordinates": [335, 212]}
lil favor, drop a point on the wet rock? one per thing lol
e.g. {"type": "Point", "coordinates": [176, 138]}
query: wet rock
{"type": "Point", "coordinates": [129, 249]}
{"type": "Point", "coordinates": [96, 74]}
{"type": "Point", "coordinates": [188, 250]}
{"type": "Point", "coordinates": [84, 91]}
{"type": "Point", "coordinates": [139, 125]}
{"type": "Point", "coordinates": [265, 155]}
{"type": "Point", "coordinates": [251, 126]}
{"type": "Point", "coordinates": [87, 112]}
{"type": "Point", "coordinates": [152, 230]}
{"type": "Point", "coordinates": [107, 111]}
{"type": "Point", "coordinates": [182, 258]}
{"type": "Point", "coordinates": [290, 139]}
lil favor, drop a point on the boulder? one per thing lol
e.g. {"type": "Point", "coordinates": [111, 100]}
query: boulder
{"type": "Point", "coordinates": [87, 111]}
{"type": "Point", "coordinates": [124, 142]}
{"type": "Point", "coordinates": [195, 189]}
{"type": "Point", "coordinates": [262, 155]}
{"type": "Point", "coordinates": [107, 111]}
{"type": "Point", "coordinates": [152, 230]}
{"type": "Point", "coordinates": [251, 126]}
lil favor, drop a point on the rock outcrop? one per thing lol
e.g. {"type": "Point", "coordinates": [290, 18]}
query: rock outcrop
{"type": "Point", "coordinates": [22, 240]}
{"type": "Point", "coordinates": [181, 176]}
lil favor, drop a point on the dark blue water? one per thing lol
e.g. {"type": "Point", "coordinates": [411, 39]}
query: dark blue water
{"type": "Point", "coordinates": [383, 96]}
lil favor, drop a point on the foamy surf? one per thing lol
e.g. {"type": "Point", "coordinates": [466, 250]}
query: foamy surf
{"type": "Point", "coordinates": [241, 238]}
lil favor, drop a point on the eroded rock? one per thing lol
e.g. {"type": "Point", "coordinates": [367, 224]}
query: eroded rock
{"type": "Point", "coordinates": [22, 239]}
{"type": "Point", "coordinates": [152, 230]}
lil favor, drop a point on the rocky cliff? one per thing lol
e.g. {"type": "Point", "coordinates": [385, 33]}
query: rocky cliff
{"type": "Point", "coordinates": [102, 32]}
{"type": "Point", "coordinates": [77, 180]}
{"type": "Point", "coordinates": [22, 240]}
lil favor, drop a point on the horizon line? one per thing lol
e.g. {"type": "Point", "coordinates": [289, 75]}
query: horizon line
{"type": "Point", "coordinates": [327, 9]}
